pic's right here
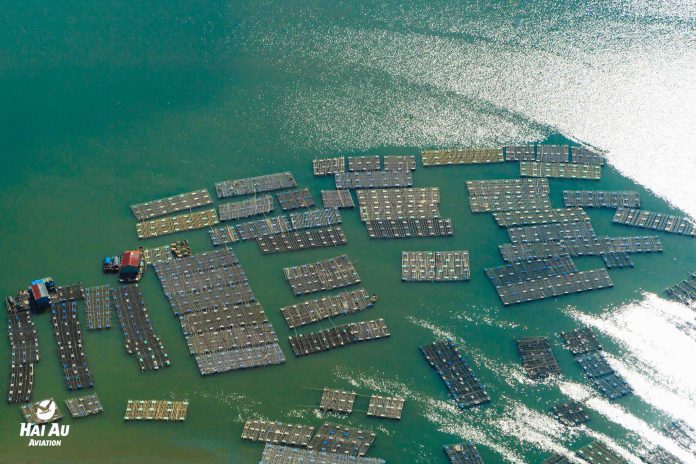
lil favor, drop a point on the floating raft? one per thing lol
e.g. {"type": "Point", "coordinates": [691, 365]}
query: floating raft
{"type": "Point", "coordinates": [83, 406]}
{"type": "Point", "coordinates": [160, 253]}
{"type": "Point", "coordinates": [560, 170]}
{"type": "Point", "coordinates": [594, 364]}
{"type": "Point", "coordinates": [21, 330]}
{"type": "Point", "coordinates": [263, 227]}
{"type": "Point", "coordinates": [337, 400]}
{"type": "Point", "coordinates": [539, 216]}
{"type": "Point", "coordinates": [231, 338]}
{"type": "Point", "coordinates": [509, 187]}
{"type": "Point", "coordinates": [173, 224]}
{"type": "Point", "coordinates": [462, 156]}
{"type": "Point", "coordinates": [556, 459]}
{"type": "Point", "coordinates": [311, 311]}
{"type": "Point", "coordinates": [70, 292]}
{"type": "Point", "coordinates": [224, 235]}
{"type": "Point", "coordinates": [582, 155]}
{"type": "Point", "coordinates": [407, 203]}
{"type": "Point", "coordinates": [337, 199]}
{"type": "Point", "coordinates": [31, 412]}
{"type": "Point", "coordinates": [684, 291]}
{"type": "Point", "coordinates": [181, 202]}
{"type": "Point", "coordinates": [614, 260]}
{"type": "Point", "coordinates": [435, 266]}
{"type": "Point", "coordinates": [408, 228]}
{"type": "Point", "coordinates": [463, 453]}
{"type": "Point", "coordinates": [66, 328]}
{"type": "Point", "coordinates": [364, 163]}
{"type": "Point", "coordinates": [244, 358]}
{"type": "Point", "coordinates": [598, 246]}
{"type": "Point", "coordinates": [386, 407]}
{"type": "Point", "coordinates": [601, 198]}
{"type": "Point", "coordinates": [294, 199]}
{"type": "Point", "coordinates": [553, 286]}
{"type": "Point", "coordinates": [306, 239]}
{"type": "Point", "coordinates": [158, 410]}
{"type": "Point", "coordinates": [21, 382]}
{"type": "Point", "coordinates": [520, 153]}
{"type": "Point", "coordinates": [581, 340]}
{"type": "Point", "coordinates": [140, 336]}
{"type": "Point", "coordinates": [537, 359]}
{"type": "Point", "coordinates": [552, 153]}
{"type": "Point", "coordinates": [656, 221]}
{"type": "Point", "coordinates": [246, 208]}
{"type": "Point", "coordinates": [529, 270]}
{"type": "Point", "coordinates": [551, 232]}
{"type": "Point", "coordinates": [463, 385]}
{"type": "Point", "coordinates": [399, 163]}
{"type": "Point", "coordinates": [322, 275]}
{"type": "Point", "coordinates": [373, 179]}
{"type": "Point", "coordinates": [599, 453]}
{"type": "Point", "coordinates": [258, 184]}
{"type": "Point", "coordinates": [329, 166]}
{"type": "Point", "coordinates": [339, 439]}
{"type": "Point", "coordinates": [613, 386]}
{"type": "Point", "coordinates": [98, 307]}
{"type": "Point", "coordinates": [277, 433]}
{"type": "Point", "coordinates": [315, 218]}
{"type": "Point", "coordinates": [481, 204]}
{"type": "Point", "coordinates": [682, 433]}
{"type": "Point", "coordinates": [276, 454]}
{"type": "Point", "coordinates": [250, 314]}
{"type": "Point", "coordinates": [659, 455]}
{"type": "Point", "coordinates": [571, 414]}
{"type": "Point", "coordinates": [342, 335]}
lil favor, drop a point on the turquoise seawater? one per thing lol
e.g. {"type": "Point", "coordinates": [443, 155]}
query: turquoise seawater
{"type": "Point", "coordinates": [108, 104]}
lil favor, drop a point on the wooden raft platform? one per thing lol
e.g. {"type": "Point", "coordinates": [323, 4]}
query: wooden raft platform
{"type": "Point", "coordinates": [246, 208]}
{"type": "Point", "coordinates": [506, 202]}
{"type": "Point", "coordinates": [320, 217]}
{"type": "Point", "coordinates": [598, 246]}
{"type": "Point", "coordinates": [582, 155]}
{"type": "Point", "coordinates": [656, 221]}
{"type": "Point", "coordinates": [537, 359]}
{"type": "Point", "coordinates": [560, 170]}
{"type": "Point", "coordinates": [223, 236]}
{"type": "Point", "coordinates": [553, 153]}
{"type": "Point", "coordinates": [173, 224]}
{"type": "Point", "coordinates": [277, 454]}
{"type": "Point", "coordinates": [520, 153]}
{"type": "Point", "coordinates": [296, 240]}
{"type": "Point", "coordinates": [599, 453]}
{"type": "Point", "coordinates": [337, 199]}
{"type": "Point", "coordinates": [311, 311]}
{"type": "Point", "coordinates": [581, 340]}
{"type": "Point", "coordinates": [66, 328]}
{"type": "Point", "coordinates": [24, 348]}
{"type": "Point", "coordinates": [386, 407]}
{"type": "Point", "coordinates": [540, 216]}
{"type": "Point", "coordinates": [257, 184]}
{"type": "Point", "coordinates": [30, 411]}
{"type": "Point", "coordinates": [140, 336]}
{"type": "Point", "coordinates": [551, 232]}
{"type": "Point", "coordinates": [335, 337]}
{"type": "Point", "coordinates": [510, 187]}
{"type": "Point", "coordinates": [164, 206]}
{"type": "Point", "coordinates": [231, 338]}
{"type": "Point", "coordinates": [601, 198]}
{"type": "Point", "coordinates": [373, 179]}
{"type": "Point", "coordinates": [158, 410]}
{"type": "Point", "coordinates": [339, 439]}
{"type": "Point", "coordinates": [553, 286]}
{"type": "Point", "coordinates": [594, 364]}
{"type": "Point", "coordinates": [21, 382]}
{"type": "Point", "coordinates": [322, 275]}
{"type": "Point", "coordinates": [337, 400]}
{"type": "Point", "coordinates": [98, 307]}
{"type": "Point", "coordinates": [295, 199]}
{"type": "Point", "coordinates": [408, 228]}
{"type": "Point", "coordinates": [684, 291]}
{"type": "Point", "coordinates": [329, 166]}
{"type": "Point", "coordinates": [83, 406]}
{"type": "Point", "coordinates": [463, 453]}
{"type": "Point", "coordinates": [254, 229]}
{"type": "Point", "coordinates": [461, 156]}
{"type": "Point", "coordinates": [614, 260]}
{"type": "Point", "coordinates": [612, 386]}
{"type": "Point", "coordinates": [364, 163]}
{"type": "Point", "coordinates": [571, 414]}
{"type": "Point", "coordinates": [399, 163]}
{"type": "Point", "coordinates": [406, 203]}
{"type": "Point", "coordinates": [521, 271]}
{"type": "Point", "coordinates": [435, 266]}
{"type": "Point", "coordinates": [249, 314]}
{"type": "Point", "coordinates": [243, 358]}
{"type": "Point", "coordinates": [277, 433]}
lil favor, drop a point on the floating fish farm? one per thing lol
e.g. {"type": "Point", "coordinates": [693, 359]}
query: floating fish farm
{"type": "Point", "coordinates": [296, 240]}
{"type": "Point", "coordinates": [337, 400]}
{"type": "Point", "coordinates": [560, 170]}
{"type": "Point", "coordinates": [373, 179]}
{"type": "Point", "coordinates": [540, 216]}
{"type": "Point", "coordinates": [510, 187]}
{"type": "Point", "coordinates": [616, 260]}
{"type": "Point", "coordinates": [682, 433]}
{"type": "Point", "coordinates": [338, 336]}
{"type": "Point", "coordinates": [409, 228]}
{"type": "Point", "coordinates": [462, 156]}
{"type": "Point", "coordinates": [337, 199]}
{"type": "Point", "coordinates": [277, 433]}
{"type": "Point", "coordinates": [339, 439]}
{"type": "Point", "coordinates": [258, 184]}
{"type": "Point", "coordinates": [140, 336]}
{"type": "Point", "coordinates": [556, 459]}
{"type": "Point", "coordinates": [537, 359]}
{"type": "Point", "coordinates": [599, 453]}
{"type": "Point", "coordinates": [594, 364]}
{"type": "Point", "coordinates": [601, 199]}
{"type": "Point", "coordinates": [529, 270]}
{"type": "Point", "coordinates": [552, 232]}
{"type": "Point", "coordinates": [98, 307]}
{"type": "Point", "coordinates": [311, 311]}
{"type": "Point", "coordinates": [322, 275]}
{"type": "Point", "coordinates": [684, 291]}
{"type": "Point", "coordinates": [329, 166]}
{"type": "Point", "coordinates": [581, 340]}
{"type": "Point", "coordinates": [66, 328]}
{"type": "Point", "coordinates": [364, 163]}
{"type": "Point", "coordinates": [173, 204]}
{"type": "Point", "coordinates": [24, 348]}
{"type": "Point", "coordinates": [277, 454]}
{"type": "Point", "coordinates": [455, 372]}
{"type": "Point", "coordinates": [520, 153]}
{"type": "Point", "coordinates": [386, 407]}
{"type": "Point", "coordinates": [315, 218]}
{"type": "Point", "coordinates": [613, 386]}
{"type": "Point", "coordinates": [156, 410]}
{"type": "Point", "coordinates": [254, 229]}
{"type": "Point", "coordinates": [598, 246]}
{"type": "Point", "coordinates": [173, 224]}
{"type": "Point", "coordinates": [659, 455]}
{"type": "Point", "coordinates": [406, 203]}
{"type": "Point", "coordinates": [435, 266]}
{"type": "Point", "coordinates": [31, 412]}
{"type": "Point", "coordinates": [224, 235]}
{"type": "Point", "coordinates": [295, 199]}
{"type": "Point", "coordinates": [221, 318]}
{"type": "Point", "coordinates": [571, 414]}
{"type": "Point", "coordinates": [160, 253]}
{"type": "Point", "coordinates": [399, 163]}
{"type": "Point", "coordinates": [246, 208]}
{"type": "Point", "coordinates": [83, 406]}
{"type": "Point", "coordinates": [463, 453]}
{"type": "Point", "coordinates": [552, 153]}
{"type": "Point", "coordinates": [656, 221]}
{"type": "Point", "coordinates": [582, 155]}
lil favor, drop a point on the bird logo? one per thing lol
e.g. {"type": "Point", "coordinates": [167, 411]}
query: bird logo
{"type": "Point", "coordinates": [45, 410]}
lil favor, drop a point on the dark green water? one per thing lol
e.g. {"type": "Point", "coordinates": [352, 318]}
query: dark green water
{"type": "Point", "coordinates": [107, 105]}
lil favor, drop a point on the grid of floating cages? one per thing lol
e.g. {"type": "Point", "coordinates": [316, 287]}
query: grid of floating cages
{"type": "Point", "coordinates": [364, 163]}
{"type": "Point", "coordinates": [659, 455]}
{"type": "Point", "coordinates": [684, 291]}
{"type": "Point", "coordinates": [268, 226]}
{"type": "Point", "coordinates": [519, 153]}
{"type": "Point", "coordinates": [278, 454]}
{"type": "Point", "coordinates": [36, 413]}
{"type": "Point", "coordinates": [315, 218]}
{"type": "Point", "coordinates": [601, 198]}
{"type": "Point", "coordinates": [510, 187]}
{"type": "Point", "coordinates": [594, 364]}
{"type": "Point", "coordinates": [409, 228]}
{"type": "Point", "coordinates": [551, 232]}
{"type": "Point", "coordinates": [537, 359]}
{"type": "Point", "coordinates": [329, 166]}
{"type": "Point", "coordinates": [560, 170]}
{"type": "Point", "coordinates": [164, 206]}
{"type": "Point", "coordinates": [521, 271]}
{"type": "Point", "coordinates": [552, 153]}
{"type": "Point", "coordinates": [21, 382]}
{"type": "Point", "coordinates": [373, 179]}
{"type": "Point", "coordinates": [24, 348]}
{"type": "Point", "coordinates": [399, 163]}
{"type": "Point", "coordinates": [539, 216]}
{"type": "Point", "coordinates": [598, 452]}
{"type": "Point", "coordinates": [553, 286]}
{"type": "Point", "coordinates": [66, 328]}
{"type": "Point", "coordinates": [556, 459]}
{"type": "Point", "coordinates": [83, 406]}
{"type": "Point", "coordinates": [98, 307]}
{"type": "Point", "coordinates": [327, 274]}
{"type": "Point", "coordinates": [338, 336]}
{"type": "Point", "coordinates": [582, 155]}
{"type": "Point", "coordinates": [455, 372]}
{"type": "Point", "coordinates": [224, 235]}
{"type": "Point", "coordinates": [508, 202]}
{"type": "Point", "coordinates": [462, 156]}
{"type": "Point", "coordinates": [157, 410]}
{"type": "Point", "coordinates": [598, 246]}
{"type": "Point", "coordinates": [614, 260]}
{"type": "Point", "coordinates": [337, 400]}
{"type": "Point", "coordinates": [572, 413]}
{"type": "Point", "coordinates": [463, 453]}
{"type": "Point", "coordinates": [387, 407]}
{"type": "Point", "coordinates": [335, 438]}
{"type": "Point", "coordinates": [657, 221]}
{"type": "Point", "coordinates": [277, 433]}
{"type": "Point", "coordinates": [308, 312]}
{"type": "Point", "coordinates": [296, 240]}
{"type": "Point", "coordinates": [231, 338]}
{"type": "Point", "coordinates": [246, 208]}
{"type": "Point", "coordinates": [682, 433]}
{"type": "Point", "coordinates": [613, 386]}
{"type": "Point", "coordinates": [295, 199]}
{"type": "Point", "coordinates": [581, 340]}
{"type": "Point", "coordinates": [337, 199]}
{"type": "Point", "coordinates": [249, 314]}
{"type": "Point", "coordinates": [406, 203]}
{"type": "Point", "coordinates": [244, 358]}
{"type": "Point", "coordinates": [435, 266]}
{"type": "Point", "coordinates": [160, 253]}
{"type": "Point", "coordinates": [257, 184]}
{"type": "Point", "coordinates": [173, 224]}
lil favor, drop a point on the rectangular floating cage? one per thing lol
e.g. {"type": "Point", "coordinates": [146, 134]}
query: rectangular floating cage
{"type": "Point", "coordinates": [329, 166]}
{"type": "Point", "coordinates": [98, 307]}
{"type": "Point", "coordinates": [278, 454]}
{"type": "Point", "coordinates": [83, 406]}
{"type": "Point", "coordinates": [257, 184]}
{"type": "Point", "coordinates": [296, 240]}
{"type": "Point", "coordinates": [409, 228]}
{"type": "Point", "coordinates": [277, 433]}
{"type": "Point", "coordinates": [327, 274]}
{"type": "Point", "coordinates": [560, 170]}
{"type": "Point", "coordinates": [364, 163]}
{"type": "Point", "coordinates": [337, 199]}
{"type": "Point", "coordinates": [601, 198]}
{"type": "Point", "coordinates": [340, 439]}
{"type": "Point", "coordinates": [399, 163]}
{"type": "Point", "coordinates": [66, 328]}
{"type": "Point", "coordinates": [373, 179]}
{"type": "Point", "coordinates": [173, 204]}
{"type": "Point", "coordinates": [645, 219]}
{"type": "Point", "coordinates": [311, 311]}
{"type": "Point", "coordinates": [338, 336]}
{"type": "Point", "coordinates": [462, 156]}
{"type": "Point", "coordinates": [435, 266]}
{"type": "Point", "coordinates": [537, 358]}
{"type": "Point", "coordinates": [246, 208]}
{"type": "Point", "coordinates": [337, 400]}
{"type": "Point", "coordinates": [295, 199]}
{"type": "Point", "coordinates": [463, 453]}
{"type": "Point", "coordinates": [387, 407]}
{"type": "Point", "coordinates": [173, 224]}
{"type": "Point", "coordinates": [156, 410]}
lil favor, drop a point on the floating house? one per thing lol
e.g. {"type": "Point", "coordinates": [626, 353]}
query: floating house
{"type": "Point", "coordinates": [131, 266]}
